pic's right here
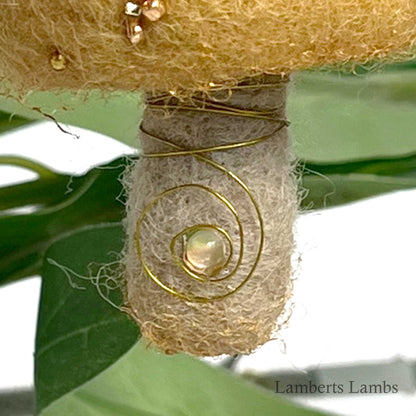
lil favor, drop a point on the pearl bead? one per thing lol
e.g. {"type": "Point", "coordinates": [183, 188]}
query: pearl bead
{"type": "Point", "coordinates": [204, 251]}
{"type": "Point", "coordinates": [154, 9]}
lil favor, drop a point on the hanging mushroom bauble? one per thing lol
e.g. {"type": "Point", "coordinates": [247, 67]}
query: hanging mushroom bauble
{"type": "Point", "coordinates": [212, 197]}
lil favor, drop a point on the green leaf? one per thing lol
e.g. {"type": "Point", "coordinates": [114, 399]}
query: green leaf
{"type": "Point", "coordinates": [63, 203]}
{"type": "Point", "coordinates": [337, 184]}
{"type": "Point", "coordinates": [78, 333]}
{"type": "Point", "coordinates": [7, 122]}
{"type": "Point", "coordinates": [147, 383]}
{"type": "Point", "coordinates": [341, 118]}
{"type": "Point", "coordinates": [116, 114]}
{"type": "Point", "coordinates": [36, 167]}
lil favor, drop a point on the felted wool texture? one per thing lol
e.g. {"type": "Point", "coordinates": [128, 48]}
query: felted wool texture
{"type": "Point", "coordinates": [245, 320]}
{"type": "Point", "coordinates": [197, 42]}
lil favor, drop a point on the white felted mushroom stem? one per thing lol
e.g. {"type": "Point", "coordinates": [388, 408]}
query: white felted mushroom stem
{"type": "Point", "coordinates": [246, 319]}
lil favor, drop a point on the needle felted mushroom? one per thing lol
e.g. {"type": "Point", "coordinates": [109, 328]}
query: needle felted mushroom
{"type": "Point", "coordinates": [212, 199]}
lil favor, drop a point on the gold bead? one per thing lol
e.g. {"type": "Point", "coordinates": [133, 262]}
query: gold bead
{"type": "Point", "coordinates": [132, 9]}
{"type": "Point", "coordinates": [154, 9]}
{"type": "Point", "coordinates": [58, 61]}
{"type": "Point", "coordinates": [204, 251]}
{"type": "Point", "coordinates": [134, 32]}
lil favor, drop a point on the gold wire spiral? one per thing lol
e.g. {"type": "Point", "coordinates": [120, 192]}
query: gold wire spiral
{"type": "Point", "coordinates": [178, 151]}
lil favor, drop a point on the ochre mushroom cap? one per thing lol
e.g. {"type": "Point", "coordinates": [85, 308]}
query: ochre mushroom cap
{"type": "Point", "coordinates": [196, 43]}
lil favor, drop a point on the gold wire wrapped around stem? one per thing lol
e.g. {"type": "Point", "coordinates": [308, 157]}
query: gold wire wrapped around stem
{"type": "Point", "coordinates": [178, 151]}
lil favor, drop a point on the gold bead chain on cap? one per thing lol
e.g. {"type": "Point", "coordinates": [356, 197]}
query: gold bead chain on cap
{"type": "Point", "coordinates": [136, 14]}
{"type": "Point", "coordinates": [204, 252]}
